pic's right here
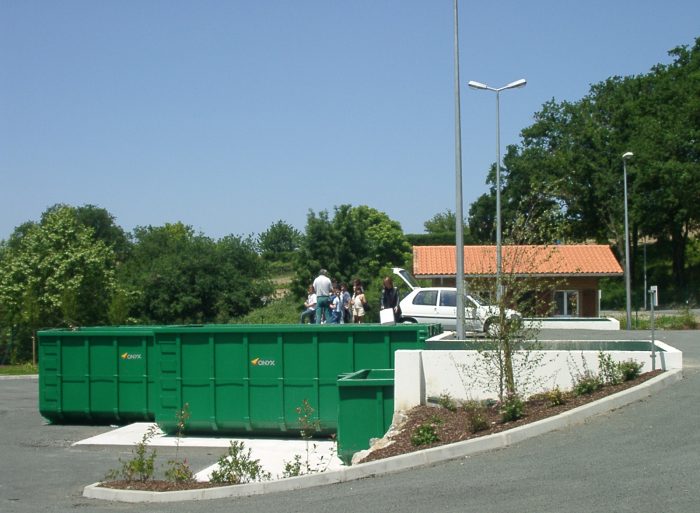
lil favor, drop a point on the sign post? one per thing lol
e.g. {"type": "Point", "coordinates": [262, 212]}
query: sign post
{"type": "Point", "coordinates": [654, 301]}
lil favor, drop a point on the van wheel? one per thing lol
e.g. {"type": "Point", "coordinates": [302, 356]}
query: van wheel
{"type": "Point", "coordinates": [408, 320]}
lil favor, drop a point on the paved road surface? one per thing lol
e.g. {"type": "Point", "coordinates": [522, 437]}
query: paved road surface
{"type": "Point", "coordinates": [642, 458]}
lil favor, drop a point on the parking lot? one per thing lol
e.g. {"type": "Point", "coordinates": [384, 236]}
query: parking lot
{"type": "Point", "coordinates": [641, 458]}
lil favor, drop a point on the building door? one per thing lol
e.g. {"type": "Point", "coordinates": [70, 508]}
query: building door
{"type": "Point", "coordinates": [567, 303]}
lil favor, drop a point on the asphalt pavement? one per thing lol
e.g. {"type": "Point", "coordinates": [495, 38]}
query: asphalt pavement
{"type": "Point", "coordinates": [644, 457]}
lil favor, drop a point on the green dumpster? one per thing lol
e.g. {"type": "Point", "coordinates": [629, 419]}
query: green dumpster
{"type": "Point", "coordinates": [252, 378]}
{"type": "Point", "coordinates": [233, 378]}
{"type": "Point", "coordinates": [365, 409]}
{"type": "Point", "coordinates": [99, 375]}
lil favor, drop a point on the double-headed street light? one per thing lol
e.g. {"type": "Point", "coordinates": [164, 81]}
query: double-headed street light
{"type": "Point", "coordinates": [628, 294]}
{"type": "Point", "coordinates": [499, 250]}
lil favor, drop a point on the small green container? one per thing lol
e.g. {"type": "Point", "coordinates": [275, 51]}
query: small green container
{"type": "Point", "coordinates": [365, 409]}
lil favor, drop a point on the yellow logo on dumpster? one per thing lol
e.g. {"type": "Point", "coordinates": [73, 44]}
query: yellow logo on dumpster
{"type": "Point", "coordinates": [259, 362]}
{"type": "Point", "coordinates": [131, 356]}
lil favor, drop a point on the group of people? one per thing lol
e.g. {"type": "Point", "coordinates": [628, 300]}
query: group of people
{"type": "Point", "coordinates": [332, 303]}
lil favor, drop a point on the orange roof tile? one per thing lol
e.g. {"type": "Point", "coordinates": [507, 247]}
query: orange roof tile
{"type": "Point", "coordinates": [574, 259]}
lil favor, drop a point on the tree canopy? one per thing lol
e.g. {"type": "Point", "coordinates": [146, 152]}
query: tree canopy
{"type": "Point", "coordinates": [76, 267]}
{"type": "Point", "coordinates": [55, 273]}
{"type": "Point", "coordinates": [174, 275]}
{"type": "Point", "coordinates": [357, 242]}
{"type": "Point", "coordinates": [571, 158]}
{"type": "Point", "coordinates": [279, 241]}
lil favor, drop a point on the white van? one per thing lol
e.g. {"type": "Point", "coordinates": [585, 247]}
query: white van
{"type": "Point", "coordinates": [439, 305]}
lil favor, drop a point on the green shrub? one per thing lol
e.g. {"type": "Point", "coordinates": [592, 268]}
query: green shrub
{"type": "Point", "coordinates": [630, 369]}
{"type": "Point", "coordinates": [477, 416]}
{"type": "Point", "coordinates": [237, 467]}
{"type": "Point", "coordinates": [586, 383]}
{"type": "Point", "coordinates": [436, 420]}
{"type": "Point", "coordinates": [446, 401]}
{"type": "Point", "coordinates": [293, 468]}
{"type": "Point", "coordinates": [614, 373]}
{"type": "Point", "coordinates": [308, 427]}
{"type": "Point", "coordinates": [142, 464]}
{"type": "Point", "coordinates": [555, 397]}
{"type": "Point", "coordinates": [608, 370]}
{"type": "Point", "coordinates": [179, 471]}
{"type": "Point", "coordinates": [512, 408]}
{"type": "Point", "coordinates": [424, 434]}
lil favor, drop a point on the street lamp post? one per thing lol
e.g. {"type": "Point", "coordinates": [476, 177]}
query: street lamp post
{"type": "Point", "coordinates": [628, 293]}
{"type": "Point", "coordinates": [459, 215]}
{"type": "Point", "coordinates": [499, 248]}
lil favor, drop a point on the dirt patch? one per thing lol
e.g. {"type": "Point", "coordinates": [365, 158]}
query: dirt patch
{"type": "Point", "coordinates": [156, 485]}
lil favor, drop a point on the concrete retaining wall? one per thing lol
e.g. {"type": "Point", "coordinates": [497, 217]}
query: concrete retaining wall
{"type": "Point", "coordinates": [464, 374]}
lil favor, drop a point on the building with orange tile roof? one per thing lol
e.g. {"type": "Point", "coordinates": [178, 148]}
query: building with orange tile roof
{"type": "Point", "coordinates": [575, 268]}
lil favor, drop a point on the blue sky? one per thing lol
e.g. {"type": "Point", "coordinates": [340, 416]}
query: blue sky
{"type": "Point", "coordinates": [231, 115]}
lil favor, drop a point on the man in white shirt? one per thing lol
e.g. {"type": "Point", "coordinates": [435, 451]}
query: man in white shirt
{"type": "Point", "coordinates": [323, 289]}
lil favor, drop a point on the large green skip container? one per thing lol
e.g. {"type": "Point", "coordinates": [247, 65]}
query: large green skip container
{"type": "Point", "coordinates": [252, 378]}
{"type": "Point", "coordinates": [365, 409]}
{"type": "Point", "coordinates": [247, 379]}
{"type": "Point", "coordinates": [99, 375]}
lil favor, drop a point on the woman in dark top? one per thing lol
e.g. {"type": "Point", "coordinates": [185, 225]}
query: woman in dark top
{"type": "Point", "coordinates": [390, 298]}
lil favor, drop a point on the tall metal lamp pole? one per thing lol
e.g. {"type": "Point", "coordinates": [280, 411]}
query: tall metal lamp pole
{"type": "Point", "coordinates": [628, 293]}
{"type": "Point", "coordinates": [459, 216]}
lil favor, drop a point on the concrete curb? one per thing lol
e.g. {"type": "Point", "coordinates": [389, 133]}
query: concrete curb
{"type": "Point", "coordinates": [403, 462]}
{"type": "Point", "coordinates": [20, 376]}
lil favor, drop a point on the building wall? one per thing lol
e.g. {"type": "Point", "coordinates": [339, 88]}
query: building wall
{"type": "Point", "coordinates": [587, 288]}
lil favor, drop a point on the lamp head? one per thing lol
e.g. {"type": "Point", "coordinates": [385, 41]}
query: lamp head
{"type": "Point", "coordinates": [477, 85]}
{"type": "Point", "coordinates": [518, 83]}
{"type": "Point", "coordinates": [627, 155]}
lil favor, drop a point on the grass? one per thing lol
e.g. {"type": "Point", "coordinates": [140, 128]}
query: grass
{"type": "Point", "coordinates": [684, 320]}
{"type": "Point", "coordinates": [279, 311]}
{"type": "Point", "coordinates": [18, 370]}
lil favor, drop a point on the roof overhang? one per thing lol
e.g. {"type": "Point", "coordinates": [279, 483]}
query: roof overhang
{"type": "Point", "coordinates": [572, 275]}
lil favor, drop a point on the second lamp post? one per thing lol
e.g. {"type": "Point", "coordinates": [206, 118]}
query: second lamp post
{"type": "Point", "coordinates": [628, 293]}
{"type": "Point", "coordinates": [499, 249]}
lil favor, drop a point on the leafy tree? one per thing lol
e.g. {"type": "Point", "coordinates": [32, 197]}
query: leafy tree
{"type": "Point", "coordinates": [102, 223]}
{"type": "Point", "coordinates": [666, 142]}
{"type": "Point", "coordinates": [571, 158]}
{"type": "Point", "coordinates": [104, 228]}
{"type": "Point", "coordinates": [55, 273]}
{"type": "Point", "coordinates": [482, 219]}
{"type": "Point", "coordinates": [279, 241]}
{"type": "Point", "coordinates": [317, 250]}
{"type": "Point", "coordinates": [176, 276]}
{"type": "Point", "coordinates": [508, 356]}
{"type": "Point", "coordinates": [358, 242]}
{"type": "Point", "coordinates": [444, 225]}
{"type": "Point", "coordinates": [244, 278]}
{"type": "Point", "coordinates": [441, 223]}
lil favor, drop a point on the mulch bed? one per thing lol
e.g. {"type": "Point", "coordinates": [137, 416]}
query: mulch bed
{"type": "Point", "coordinates": [450, 427]}
{"type": "Point", "coordinates": [156, 485]}
{"type": "Point", "coordinates": [453, 426]}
